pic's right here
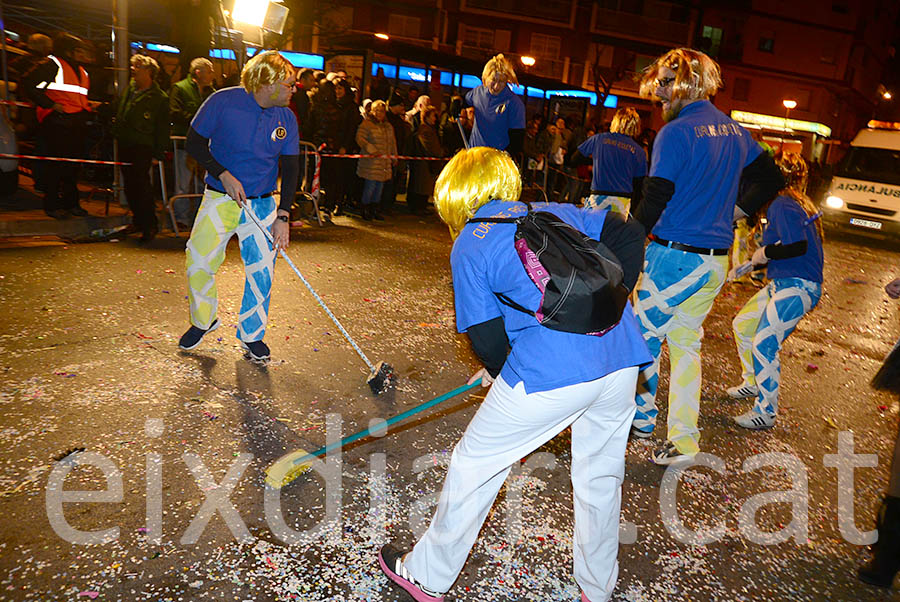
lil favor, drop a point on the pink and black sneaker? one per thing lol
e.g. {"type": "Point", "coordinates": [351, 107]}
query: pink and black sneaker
{"type": "Point", "coordinates": [391, 561]}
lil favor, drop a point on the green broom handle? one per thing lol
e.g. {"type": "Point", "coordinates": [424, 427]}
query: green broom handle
{"type": "Point", "coordinates": [365, 432]}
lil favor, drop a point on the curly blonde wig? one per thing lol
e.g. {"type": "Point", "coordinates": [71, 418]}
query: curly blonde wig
{"type": "Point", "coordinates": [626, 121]}
{"type": "Point", "coordinates": [265, 69]}
{"type": "Point", "coordinates": [499, 65]}
{"type": "Point", "coordinates": [697, 77]}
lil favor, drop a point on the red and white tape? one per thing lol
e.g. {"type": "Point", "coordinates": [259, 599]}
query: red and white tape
{"type": "Point", "coordinates": [64, 159]}
{"type": "Point", "coordinates": [407, 157]}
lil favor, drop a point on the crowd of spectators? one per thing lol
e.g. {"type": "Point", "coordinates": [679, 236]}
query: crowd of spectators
{"type": "Point", "coordinates": [333, 114]}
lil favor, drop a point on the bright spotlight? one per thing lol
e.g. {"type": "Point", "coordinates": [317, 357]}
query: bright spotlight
{"type": "Point", "coordinates": [252, 12]}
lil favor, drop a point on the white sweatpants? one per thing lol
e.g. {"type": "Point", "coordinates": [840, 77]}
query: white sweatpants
{"type": "Point", "coordinates": [508, 426]}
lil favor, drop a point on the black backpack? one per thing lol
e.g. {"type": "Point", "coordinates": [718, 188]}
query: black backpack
{"type": "Point", "coordinates": [580, 279]}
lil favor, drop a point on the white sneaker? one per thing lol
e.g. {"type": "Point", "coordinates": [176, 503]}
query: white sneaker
{"type": "Point", "coordinates": [755, 421]}
{"type": "Point", "coordinates": [743, 391]}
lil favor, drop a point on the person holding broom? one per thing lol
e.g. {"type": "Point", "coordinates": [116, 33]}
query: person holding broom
{"type": "Point", "coordinates": [549, 381]}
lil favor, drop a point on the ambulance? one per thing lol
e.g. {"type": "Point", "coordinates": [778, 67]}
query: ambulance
{"type": "Point", "coordinates": [865, 191]}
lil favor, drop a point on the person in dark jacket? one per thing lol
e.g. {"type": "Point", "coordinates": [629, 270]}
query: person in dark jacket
{"type": "Point", "coordinates": [142, 129]}
{"type": "Point", "coordinates": [423, 173]}
{"type": "Point", "coordinates": [330, 123]}
{"type": "Point", "coordinates": [185, 99]}
{"type": "Point", "coordinates": [398, 172]}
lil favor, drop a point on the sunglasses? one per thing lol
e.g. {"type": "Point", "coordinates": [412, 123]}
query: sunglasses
{"type": "Point", "coordinates": [292, 86]}
{"type": "Point", "coordinates": [665, 82]}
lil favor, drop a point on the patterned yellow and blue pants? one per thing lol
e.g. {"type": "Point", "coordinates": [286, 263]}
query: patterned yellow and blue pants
{"type": "Point", "coordinates": [619, 204]}
{"type": "Point", "coordinates": [218, 219]}
{"type": "Point", "coordinates": [762, 325]}
{"type": "Point", "coordinates": [675, 292]}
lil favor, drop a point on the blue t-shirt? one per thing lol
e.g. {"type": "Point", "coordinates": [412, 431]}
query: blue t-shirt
{"type": "Point", "coordinates": [785, 219]}
{"type": "Point", "coordinates": [484, 260]}
{"type": "Point", "coordinates": [618, 159]}
{"type": "Point", "coordinates": [246, 139]}
{"type": "Point", "coordinates": [495, 116]}
{"type": "Point", "coordinates": [703, 152]}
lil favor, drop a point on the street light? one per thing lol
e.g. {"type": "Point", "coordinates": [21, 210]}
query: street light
{"type": "Point", "coordinates": [528, 61]}
{"type": "Point", "coordinates": [887, 95]}
{"type": "Point", "coordinates": [382, 36]}
{"type": "Point", "coordinates": [788, 105]}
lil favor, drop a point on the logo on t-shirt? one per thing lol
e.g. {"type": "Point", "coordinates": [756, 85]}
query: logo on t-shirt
{"type": "Point", "coordinates": [279, 134]}
{"type": "Point", "coordinates": [501, 109]}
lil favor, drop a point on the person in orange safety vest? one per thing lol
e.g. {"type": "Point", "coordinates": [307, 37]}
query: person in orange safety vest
{"type": "Point", "coordinates": [58, 86]}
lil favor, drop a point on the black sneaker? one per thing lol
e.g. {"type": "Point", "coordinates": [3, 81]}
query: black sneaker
{"type": "Point", "coordinates": [667, 454]}
{"type": "Point", "coordinates": [391, 561]}
{"type": "Point", "coordinates": [194, 335]}
{"type": "Point", "coordinates": [257, 350]}
{"type": "Point", "coordinates": [77, 211]}
{"type": "Point", "coordinates": [58, 214]}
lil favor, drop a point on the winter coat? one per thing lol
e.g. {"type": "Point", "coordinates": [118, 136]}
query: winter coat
{"type": "Point", "coordinates": [375, 138]}
{"type": "Point", "coordinates": [143, 119]}
{"type": "Point", "coordinates": [423, 174]}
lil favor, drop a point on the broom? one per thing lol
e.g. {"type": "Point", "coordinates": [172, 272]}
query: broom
{"type": "Point", "coordinates": [290, 466]}
{"type": "Point", "coordinates": [382, 375]}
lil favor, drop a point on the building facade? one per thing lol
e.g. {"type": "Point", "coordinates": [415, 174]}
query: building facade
{"type": "Point", "coordinates": [828, 56]}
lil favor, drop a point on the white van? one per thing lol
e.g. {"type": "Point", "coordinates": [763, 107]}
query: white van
{"type": "Point", "coordinates": [865, 189]}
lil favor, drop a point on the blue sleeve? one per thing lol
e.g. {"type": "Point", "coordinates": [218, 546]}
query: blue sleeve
{"type": "Point", "coordinates": [206, 121]}
{"type": "Point", "coordinates": [470, 97]}
{"type": "Point", "coordinates": [671, 153]}
{"type": "Point", "coordinates": [755, 149]}
{"type": "Point", "coordinates": [517, 114]}
{"type": "Point", "coordinates": [291, 144]}
{"type": "Point", "coordinates": [587, 147]}
{"type": "Point", "coordinates": [475, 303]}
{"type": "Point", "coordinates": [593, 220]}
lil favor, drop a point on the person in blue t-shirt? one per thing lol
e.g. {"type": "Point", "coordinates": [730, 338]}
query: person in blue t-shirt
{"type": "Point", "coordinates": [688, 206]}
{"type": "Point", "coordinates": [238, 136]}
{"type": "Point", "coordinates": [792, 250]}
{"type": "Point", "coordinates": [620, 163]}
{"type": "Point", "coordinates": [542, 381]}
{"type": "Point", "coordinates": [499, 113]}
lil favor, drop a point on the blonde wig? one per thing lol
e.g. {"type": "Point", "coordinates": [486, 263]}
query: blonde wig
{"type": "Point", "coordinates": [697, 77]}
{"type": "Point", "coordinates": [265, 69]}
{"type": "Point", "coordinates": [472, 178]}
{"type": "Point", "coordinates": [499, 65]}
{"type": "Point", "coordinates": [147, 62]}
{"type": "Point", "coordinates": [626, 121]}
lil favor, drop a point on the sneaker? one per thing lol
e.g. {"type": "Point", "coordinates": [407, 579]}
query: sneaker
{"type": "Point", "coordinates": [667, 454]}
{"type": "Point", "coordinates": [640, 434]}
{"type": "Point", "coordinates": [58, 214]}
{"type": "Point", "coordinates": [257, 350]}
{"type": "Point", "coordinates": [391, 561]}
{"type": "Point", "coordinates": [743, 391]}
{"type": "Point", "coordinates": [77, 211]}
{"type": "Point", "coordinates": [755, 421]}
{"type": "Point", "coordinates": [194, 335]}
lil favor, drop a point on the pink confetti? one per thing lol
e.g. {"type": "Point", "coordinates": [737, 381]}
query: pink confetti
{"type": "Point", "coordinates": [88, 594]}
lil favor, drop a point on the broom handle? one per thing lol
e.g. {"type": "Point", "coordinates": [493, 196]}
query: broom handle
{"type": "Point", "coordinates": [249, 212]}
{"type": "Point", "coordinates": [365, 432]}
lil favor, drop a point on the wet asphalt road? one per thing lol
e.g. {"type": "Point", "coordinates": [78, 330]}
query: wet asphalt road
{"type": "Point", "coordinates": [89, 360]}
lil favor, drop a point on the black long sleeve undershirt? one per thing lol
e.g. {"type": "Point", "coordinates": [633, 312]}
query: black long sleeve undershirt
{"type": "Point", "coordinates": [198, 147]}
{"type": "Point", "coordinates": [516, 142]}
{"type": "Point", "coordinates": [290, 174]}
{"type": "Point", "coordinates": [795, 249]}
{"type": "Point", "coordinates": [656, 194]}
{"type": "Point", "coordinates": [490, 344]}
{"type": "Point", "coordinates": [760, 182]}
{"type": "Point", "coordinates": [625, 238]}
{"type": "Point", "coordinates": [577, 159]}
